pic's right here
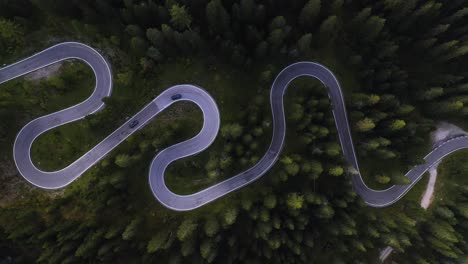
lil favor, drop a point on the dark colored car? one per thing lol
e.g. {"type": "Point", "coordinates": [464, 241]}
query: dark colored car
{"type": "Point", "coordinates": [133, 124]}
{"type": "Point", "coordinates": [176, 96]}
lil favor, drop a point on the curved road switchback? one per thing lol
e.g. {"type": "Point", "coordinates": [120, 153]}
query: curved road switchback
{"type": "Point", "coordinates": [211, 123]}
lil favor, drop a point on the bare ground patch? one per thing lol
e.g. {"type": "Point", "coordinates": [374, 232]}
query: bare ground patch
{"type": "Point", "coordinates": [45, 72]}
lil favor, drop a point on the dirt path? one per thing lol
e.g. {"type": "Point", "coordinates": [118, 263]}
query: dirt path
{"type": "Point", "coordinates": [428, 195]}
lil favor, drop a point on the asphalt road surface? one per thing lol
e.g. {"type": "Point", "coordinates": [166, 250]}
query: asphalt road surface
{"type": "Point", "coordinates": [211, 123]}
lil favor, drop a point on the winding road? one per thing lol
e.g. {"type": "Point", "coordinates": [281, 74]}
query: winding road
{"type": "Point", "coordinates": [211, 123]}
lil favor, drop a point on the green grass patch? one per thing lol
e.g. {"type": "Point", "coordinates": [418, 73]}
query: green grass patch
{"type": "Point", "coordinates": [59, 147]}
{"type": "Point", "coordinates": [451, 173]}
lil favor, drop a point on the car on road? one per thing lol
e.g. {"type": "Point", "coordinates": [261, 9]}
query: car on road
{"type": "Point", "coordinates": [176, 96]}
{"type": "Point", "coordinates": [133, 124]}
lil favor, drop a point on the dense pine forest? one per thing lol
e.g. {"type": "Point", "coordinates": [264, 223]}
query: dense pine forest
{"type": "Point", "coordinates": [403, 67]}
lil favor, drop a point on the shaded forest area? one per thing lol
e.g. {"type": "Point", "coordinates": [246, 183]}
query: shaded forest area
{"type": "Point", "coordinates": [402, 65]}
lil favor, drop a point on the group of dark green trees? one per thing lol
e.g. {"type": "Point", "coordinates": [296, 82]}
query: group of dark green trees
{"type": "Point", "coordinates": [402, 65]}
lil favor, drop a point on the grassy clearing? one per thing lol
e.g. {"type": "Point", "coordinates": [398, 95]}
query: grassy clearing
{"type": "Point", "coordinates": [61, 146]}
{"type": "Point", "coordinates": [451, 173]}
